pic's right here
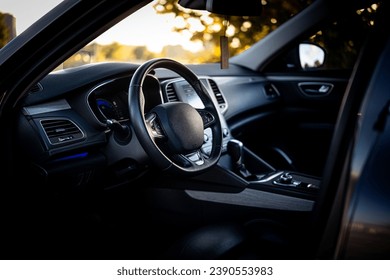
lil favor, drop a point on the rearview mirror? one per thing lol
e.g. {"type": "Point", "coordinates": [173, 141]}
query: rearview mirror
{"type": "Point", "coordinates": [311, 55]}
{"type": "Point", "coordinates": [224, 7]}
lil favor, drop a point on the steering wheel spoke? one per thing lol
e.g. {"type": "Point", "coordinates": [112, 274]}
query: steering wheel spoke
{"type": "Point", "coordinates": [196, 158]}
{"type": "Point", "coordinates": [153, 125]}
{"type": "Point", "coordinates": [207, 117]}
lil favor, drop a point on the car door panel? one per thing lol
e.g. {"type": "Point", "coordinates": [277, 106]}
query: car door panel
{"type": "Point", "coordinates": [294, 133]}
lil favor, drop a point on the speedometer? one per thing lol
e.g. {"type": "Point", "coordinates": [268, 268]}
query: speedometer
{"type": "Point", "coordinates": [107, 108]}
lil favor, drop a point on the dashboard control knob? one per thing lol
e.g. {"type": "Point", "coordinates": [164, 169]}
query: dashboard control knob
{"type": "Point", "coordinates": [286, 178]}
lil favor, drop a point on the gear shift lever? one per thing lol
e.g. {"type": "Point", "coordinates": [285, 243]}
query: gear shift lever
{"type": "Point", "coordinates": [235, 149]}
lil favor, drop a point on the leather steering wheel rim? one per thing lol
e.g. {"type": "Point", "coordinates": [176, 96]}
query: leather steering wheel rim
{"type": "Point", "coordinates": [176, 162]}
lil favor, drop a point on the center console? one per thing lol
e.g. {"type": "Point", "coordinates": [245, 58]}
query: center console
{"type": "Point", "coordinates": [260, 175]}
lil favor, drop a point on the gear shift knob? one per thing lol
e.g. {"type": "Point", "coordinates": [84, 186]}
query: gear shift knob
{"type": "Point", "coordinates": [235, 150]}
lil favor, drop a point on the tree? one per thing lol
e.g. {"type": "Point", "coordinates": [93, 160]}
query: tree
{"type": "Point", "coordinates": [343, 38]}
{"type": "Point", "coordinates": [4, 34]}
{"type": "Point", "coordinates": [242, 32]}
{"type": "Point", "coordinates": [245, 31]}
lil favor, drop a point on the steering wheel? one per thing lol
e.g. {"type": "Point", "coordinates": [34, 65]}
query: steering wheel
{"type": "Point", "coordinates": [172, 133]}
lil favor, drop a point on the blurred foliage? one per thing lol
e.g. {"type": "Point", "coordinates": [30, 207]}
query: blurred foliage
{"type": "Point", "coordinates": [341, 39]}
{"type": "Point", "coordinates": [4, 34]}
{"type": "Point", "coordinates": [242, 32]}
{"type": "Point", "coordinates": [112, 52]}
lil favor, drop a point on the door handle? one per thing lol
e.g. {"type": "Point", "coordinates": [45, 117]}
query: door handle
{"type": "Point", "coordinates": [314, 89]}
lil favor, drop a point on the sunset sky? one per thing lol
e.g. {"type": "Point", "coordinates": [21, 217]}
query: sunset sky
{"type": "Point", "coordinates": [155, 31]}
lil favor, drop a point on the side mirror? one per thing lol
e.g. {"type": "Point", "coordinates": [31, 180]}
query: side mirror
{"type": "Point", "coordinates": [224, 7]}
{"type": "Point", "coordinates": [311, 56]}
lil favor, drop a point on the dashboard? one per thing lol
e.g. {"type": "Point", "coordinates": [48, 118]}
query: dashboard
{"type": "Point", "coordinates": [64, 118]}
{"type": "Point", "coordinates": [109, 100]}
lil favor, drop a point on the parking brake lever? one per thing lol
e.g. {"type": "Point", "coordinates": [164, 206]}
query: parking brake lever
{"type": "Point", "coordinates": [235, 149]}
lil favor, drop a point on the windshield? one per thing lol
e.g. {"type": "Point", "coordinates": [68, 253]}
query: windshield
{"type": "Point", "coordinates": [160, 29]}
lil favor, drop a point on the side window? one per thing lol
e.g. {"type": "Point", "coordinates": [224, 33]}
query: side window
{"type": "Point", "coordinates": [341, 41]}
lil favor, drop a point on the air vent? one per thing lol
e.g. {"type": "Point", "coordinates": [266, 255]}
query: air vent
{"type": "Point", "coordinates": [59, 131]}
{"type": "Point", "coordinates": [36, 88]}
{"type": "Point", "coordinates": [171, 93]}
{"type": "Point", "coordinates": [219, 96]}
{"type": "Point", "coordinates": [217, 92]}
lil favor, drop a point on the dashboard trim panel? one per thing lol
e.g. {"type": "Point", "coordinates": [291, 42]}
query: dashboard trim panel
{"type": "Point", "coordinates": [48, 107]}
